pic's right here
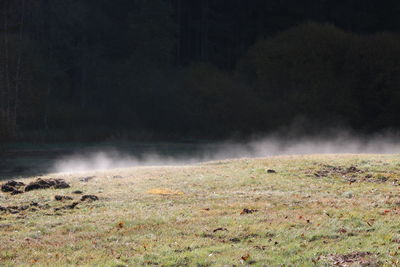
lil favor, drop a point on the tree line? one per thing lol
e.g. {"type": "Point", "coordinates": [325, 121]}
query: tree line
{"type": "Point", "coordinates": [90, 70]}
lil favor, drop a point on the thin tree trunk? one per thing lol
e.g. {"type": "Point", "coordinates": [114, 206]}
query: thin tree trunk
{"type": "Point", "coordinates": [179, 22]}
{"type": "Point", "coordinates": [6, 63]}
{"type": "Point", "coordinates": [2, 85]}
{"type": "Point", "coordinates": [205, 30]}
{"type": "Point", "coordinates": [47, 107]}
{"type": "Point", "coordinates": [18, 67]}
{"type": "Point", "coordinates": [83, 81]}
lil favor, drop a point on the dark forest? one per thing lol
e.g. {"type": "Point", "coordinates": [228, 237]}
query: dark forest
{"type": "Point", "coordinates": [91, 70]}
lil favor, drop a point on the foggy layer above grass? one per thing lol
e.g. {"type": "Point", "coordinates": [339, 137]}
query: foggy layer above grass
{"type": "Point", "coordinates": [182, 154]}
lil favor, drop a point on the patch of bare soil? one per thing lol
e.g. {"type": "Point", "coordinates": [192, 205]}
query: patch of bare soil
{"type": "Point", "coordinates": [328, 170]}
{"type": "Point", "coordinates": [47, 183]}
{"type": "Point", "coordinates": [378, 180]}
{"type": "Point", "coordinates": [15, 187]}
{"type": "Point", "coordinates": [352, 174]}
{"type": "Point", "coordinates": [248, 211]}
{"type": "Point", "coordinates": [89, 198]}
{"type": "Point", "coordinates": [12, 187]}
{"type": "Point", "coordinates": [67, 207]}
{"type": "Point", "coordinates": [17, 209]}
{"type": "Point", "coordinates": [219, 229]}
{"type": "Point", "coordinates": [73, 205]}
{"type": "Point", "coordinates": [62, 198]}
{"type": "Point", "coordinates": [354, 259]}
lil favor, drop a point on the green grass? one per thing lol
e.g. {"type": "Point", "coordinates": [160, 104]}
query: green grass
{"type": "Point", "coordinates": [302, 220]}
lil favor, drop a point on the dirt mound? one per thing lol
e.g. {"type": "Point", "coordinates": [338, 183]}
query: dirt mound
{"type": "Point", "coordinates": [67, 207]}
{"type": "Point", "coordinates": [62, 198]}
{"type": "Point", "coordinates": [328, 170]}
{"type": "Point", "coordinates": [89, 198]}
{"type": "Point", "coordinates": [349, 174]}
{"type": "Point", "coordinates": [353, 259]}
{"type": "Point", "coordinates": [353, 174]}
{"type": "Point", "coordinates": [46, 183]}
{"type": "Point", "coordinates": [74, 204]}
{"type": "Point", "coordinates": [15, 187]}
{"type": "Point", "coordinates": [220, 229]}
{"type": "Point", "coordinates": [12, 187]}
{"type": "Point", "coordinates": [248, 211]}
{"type": "Point", "coordinates": [17, 209]}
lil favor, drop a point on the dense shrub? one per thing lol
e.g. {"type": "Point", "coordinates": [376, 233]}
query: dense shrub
{"type": "Point", "coordinates": [372, 76]}
{"type": "Point", "coordinates": [327, 75]}
{"type": "Point", "coordinates": [215, 102]}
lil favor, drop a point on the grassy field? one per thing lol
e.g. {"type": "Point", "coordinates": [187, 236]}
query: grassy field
{"type": "Point", "coordinates": [319, 210]}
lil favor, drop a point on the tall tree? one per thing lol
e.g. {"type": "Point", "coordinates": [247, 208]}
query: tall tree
{"type": "Point", "coordinates": [13, 15]}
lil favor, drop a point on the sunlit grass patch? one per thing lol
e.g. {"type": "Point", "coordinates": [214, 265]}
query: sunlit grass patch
{"type": "Point", "coordinates": [164, 191]}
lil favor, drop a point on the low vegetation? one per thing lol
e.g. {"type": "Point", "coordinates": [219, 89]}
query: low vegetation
{"type": "Point", "coordinates": [339, 210]}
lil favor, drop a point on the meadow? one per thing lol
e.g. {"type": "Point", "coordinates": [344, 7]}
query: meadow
{"type": "Point", "coordinates": [314, 210]}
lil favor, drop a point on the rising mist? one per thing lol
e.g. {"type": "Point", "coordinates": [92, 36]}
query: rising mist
{"type": "Point", "coordinates": [184, 154]}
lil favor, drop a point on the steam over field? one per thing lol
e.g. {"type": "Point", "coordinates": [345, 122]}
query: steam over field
{"type": "Point", "coordinates": [181, 154]}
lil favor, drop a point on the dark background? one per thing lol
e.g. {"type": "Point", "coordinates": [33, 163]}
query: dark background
{"type": "Point", "coordinates": [92, 70]}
